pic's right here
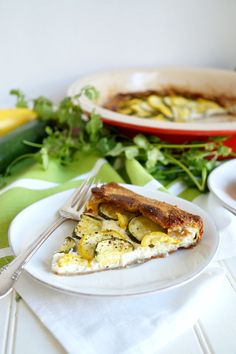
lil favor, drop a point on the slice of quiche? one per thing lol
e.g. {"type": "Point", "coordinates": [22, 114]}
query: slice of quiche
{"type": "Point", "coordinates": [120, 228]}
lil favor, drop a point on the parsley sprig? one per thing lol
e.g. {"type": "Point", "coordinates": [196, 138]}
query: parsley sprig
{"type": "Point", "coordinates": [69, 132]}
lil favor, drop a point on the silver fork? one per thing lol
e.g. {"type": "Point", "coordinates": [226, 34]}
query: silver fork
{"type": "Point", "coordinates": [10, 273]}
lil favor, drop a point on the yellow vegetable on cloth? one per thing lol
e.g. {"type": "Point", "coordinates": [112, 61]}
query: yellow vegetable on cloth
{"type": "Point", "coordinates": [12, 118]}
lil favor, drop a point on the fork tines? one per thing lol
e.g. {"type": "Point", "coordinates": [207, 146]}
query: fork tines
{"type": "Point", "coordinates": [82, 192]}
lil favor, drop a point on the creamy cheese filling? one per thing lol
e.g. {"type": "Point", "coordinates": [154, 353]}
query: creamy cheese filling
{"type": "Point", "coordinates": [72, 263]}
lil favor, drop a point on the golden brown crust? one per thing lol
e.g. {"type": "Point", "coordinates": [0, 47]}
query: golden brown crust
{"type": "Point", "coordinates": [164, 214]}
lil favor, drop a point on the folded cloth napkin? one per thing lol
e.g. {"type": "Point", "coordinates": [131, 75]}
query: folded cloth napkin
{"type": "Point", "coordinates": [88, 325]}
{"type": "Point", "coordinates": [136, 325]}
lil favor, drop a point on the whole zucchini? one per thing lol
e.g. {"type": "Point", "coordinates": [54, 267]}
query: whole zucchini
{"type": "Point", "coordinates": [12, 146]}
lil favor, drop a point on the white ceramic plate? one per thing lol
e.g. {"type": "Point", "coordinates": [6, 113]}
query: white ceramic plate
{"type": "Point", "coordinates": [222, 183]}
{"type": "Point", "coordinates": [208, 81]}
{"type": "Point", "coordinates": [154, 276]}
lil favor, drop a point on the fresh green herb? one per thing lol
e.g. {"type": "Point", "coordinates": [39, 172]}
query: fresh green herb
{"type": "Point", "coordinates": [89, 91]}
{"type": "Point", "coordinates": [21, 101]}
{"type": "Point", "coordinates": [70, 132]}
{"type": "Point", "coordinates": [43, 107]}
{"type": "Point", "coordinates": [93, 127]}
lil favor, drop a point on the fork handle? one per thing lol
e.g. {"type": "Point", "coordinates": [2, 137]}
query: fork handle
{"type": "Point", "coordinates": [11, 272]}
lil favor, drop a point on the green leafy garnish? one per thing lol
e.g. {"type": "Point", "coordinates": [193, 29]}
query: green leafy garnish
{"type": "Point", "coordinates": [21, 101]}
{"type": "Point", "coordinates": [91, 92]}
{"type": "Point", "coordinates": [93, 127]}
{"type": "Point", "coordinates": [70, 132]}
{"type": "Point", "coordinates": [43, 107]}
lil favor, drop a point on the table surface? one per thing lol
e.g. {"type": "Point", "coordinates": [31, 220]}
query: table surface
{"type": "Point", "coordinates": [215, 332]}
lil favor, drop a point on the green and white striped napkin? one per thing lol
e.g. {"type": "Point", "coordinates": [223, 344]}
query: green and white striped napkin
{"type": "Point", "coordinates": [32, 183]}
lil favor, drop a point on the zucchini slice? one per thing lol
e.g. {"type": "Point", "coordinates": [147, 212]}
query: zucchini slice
{"type": "Point", "coordinates": [111, 212]}
{"type": "Point", "coordinates": [154, 239]}
{"type": "Point", "coordinates": [68, 245]}
{"type": "Point", "coordinates": [158, 103]}
{"type": "Point", "coordinates": [109, 251]}
{"type": "Point", "coordinates": [87, 244]}
{"type": "Point", "coordinates": [108, 211]}
{"type": "Point", "coordinates": [139, 226]}
{"type": "Point", "coordinates": [87, 224]}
